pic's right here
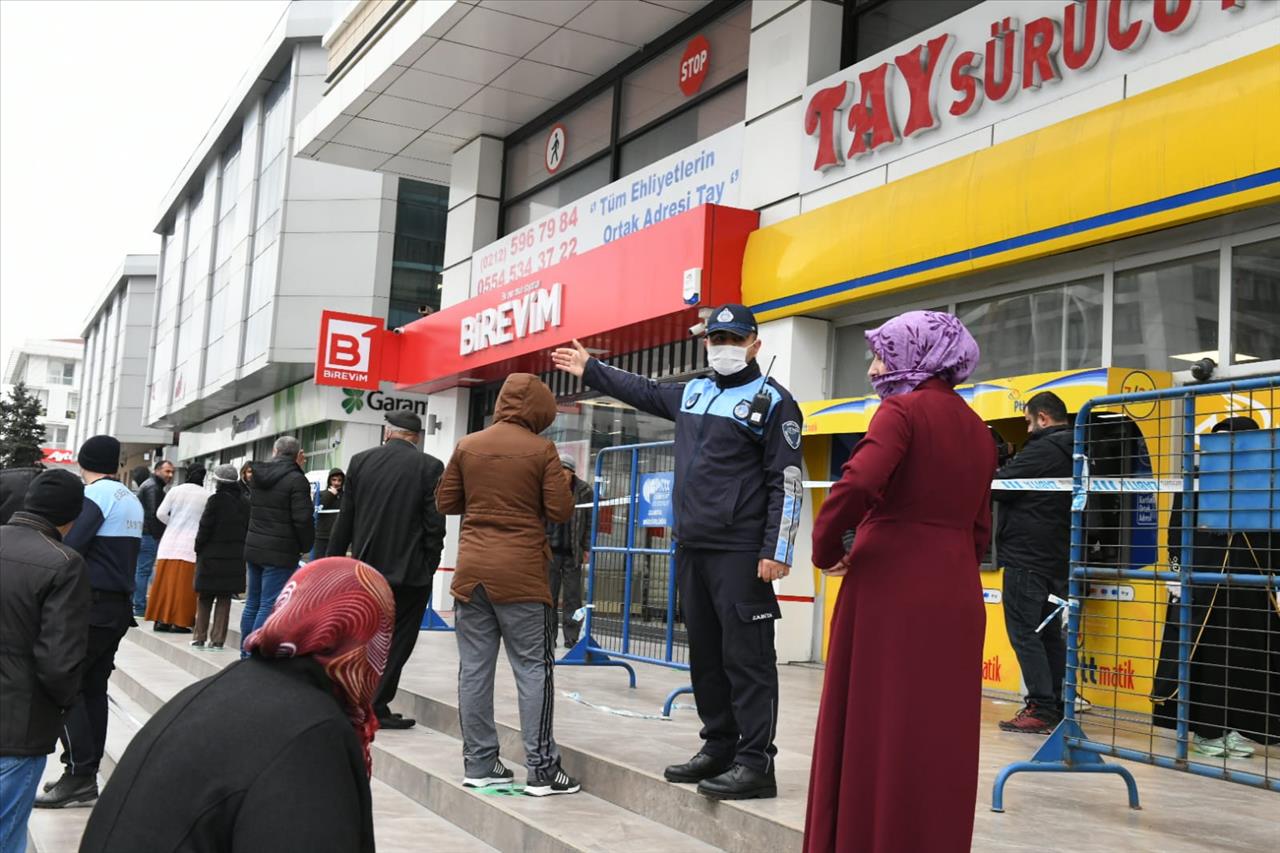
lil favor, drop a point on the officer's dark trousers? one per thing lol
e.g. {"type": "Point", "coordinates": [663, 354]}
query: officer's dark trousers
{"type": "Point", "coordinates": [729, 613]}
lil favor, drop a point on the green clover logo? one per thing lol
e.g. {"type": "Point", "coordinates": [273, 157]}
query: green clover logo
{"type": "Point", "coordinates": [353, 400]}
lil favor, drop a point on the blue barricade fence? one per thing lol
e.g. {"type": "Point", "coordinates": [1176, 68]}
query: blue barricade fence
{"type": "Point", "coordinates": [631, 612]}
{"type": "Point", "coordinates": [1173, 609]}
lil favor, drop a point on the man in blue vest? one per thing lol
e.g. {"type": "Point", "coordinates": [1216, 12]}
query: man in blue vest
{"type": "Point", "coordinates": [107, 534]}
{"type": "Point", "coordinates": [738, 498]}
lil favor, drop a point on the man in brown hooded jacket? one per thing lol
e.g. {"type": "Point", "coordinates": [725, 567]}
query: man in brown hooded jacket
{"type": "Point", "coordinates": [507, 482]}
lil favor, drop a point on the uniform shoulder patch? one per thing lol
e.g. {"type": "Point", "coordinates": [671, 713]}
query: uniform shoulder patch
{"type": "Point", "coordinates": [791, 432]}
{"type": "Point", "coordinates": [692, 399]}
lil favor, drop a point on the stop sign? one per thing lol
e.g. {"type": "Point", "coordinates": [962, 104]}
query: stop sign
{"type": "Point", "coordinates": [694, 65]}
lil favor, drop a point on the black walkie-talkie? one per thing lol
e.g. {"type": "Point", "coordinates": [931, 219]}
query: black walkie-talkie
{"type": "Point", "coordinates": [761, 402]}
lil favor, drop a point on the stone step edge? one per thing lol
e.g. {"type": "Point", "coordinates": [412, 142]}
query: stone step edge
{"type": "Point", "coordinates": [630, 788]}
{"type": "Point", "coordinates": [444, 794]}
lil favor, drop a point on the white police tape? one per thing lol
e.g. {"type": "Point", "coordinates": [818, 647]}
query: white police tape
{"type": "Point", "coordinates": [1103, 485]}
{"type": "Point", "coordinates": [1129, 485]}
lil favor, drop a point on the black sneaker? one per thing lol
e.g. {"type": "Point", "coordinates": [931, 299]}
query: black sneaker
{"type": "Point", "coordinates": [499, 774]}
{"type": "Point", "coordinates": [68, 791]}
{"type": "Point", "coordinates": [396, 722]}
{"type": "Point", "coordinates": [558, 782]}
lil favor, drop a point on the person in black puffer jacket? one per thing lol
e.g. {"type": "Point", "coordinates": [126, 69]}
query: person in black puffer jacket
{"type": "Point", "coordinates": [220, 557]}
{"type": "Point", "coordinates": [13, 488]}
{"type": "Point", "coordinates": [280, 530]}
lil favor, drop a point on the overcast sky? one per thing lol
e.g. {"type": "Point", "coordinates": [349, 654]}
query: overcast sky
{"type": "Point", "coordinates": [101, 104]}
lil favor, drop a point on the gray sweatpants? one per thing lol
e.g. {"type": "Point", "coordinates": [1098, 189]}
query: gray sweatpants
{"type": "Point", "coordinates": [526, 629]}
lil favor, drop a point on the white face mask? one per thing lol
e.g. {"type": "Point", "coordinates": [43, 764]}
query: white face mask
{"type": "Point", "coordinates": [726, 359]}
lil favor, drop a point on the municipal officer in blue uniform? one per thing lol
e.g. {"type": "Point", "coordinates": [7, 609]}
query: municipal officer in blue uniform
{"type": "Point", "coordinates": [738, 497]}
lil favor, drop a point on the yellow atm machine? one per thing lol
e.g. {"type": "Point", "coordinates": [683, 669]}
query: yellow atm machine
{"type": "Point", "coordinates": [1121, 529]}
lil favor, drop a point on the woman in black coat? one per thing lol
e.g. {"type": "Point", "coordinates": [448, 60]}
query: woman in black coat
{"type": "Point", "coordinates": [220, 557]}
{"type": "Point", "coordinates": [272, 753]}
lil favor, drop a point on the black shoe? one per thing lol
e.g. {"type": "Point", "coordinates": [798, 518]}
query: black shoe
{"type": "Point", "coordinates": [701, 766]}
{"type": "Point", "coordinates": [396, 722]}
{"type": "Point", "coordinates": [740, 783]}
{"type": "Point", "coordinates": [556, 782]}
{"type": "Point", "coordinates": [68, 791]}
{"type": "Point", "coordinates": [178, 629]}
{"type": "Point", "coordinates": [499, 774]}
{"type": "Point", "coordinates": [162, 627]}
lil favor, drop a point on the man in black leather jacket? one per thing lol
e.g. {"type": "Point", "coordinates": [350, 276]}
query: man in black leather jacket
{"type": "Point", "coordinates": [44, 620]}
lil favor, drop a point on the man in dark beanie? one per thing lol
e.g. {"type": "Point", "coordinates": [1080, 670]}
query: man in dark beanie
{"type": "Point", "coordinates": [107, 534]}
{"type": "Point", "coordinates": [44, 614]}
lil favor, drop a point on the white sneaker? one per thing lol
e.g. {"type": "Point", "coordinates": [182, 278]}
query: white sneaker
{"type": "Point", "coordinates": [499, 774]}
{"type": "Point", "coordinates": [1212, 747]}
{"type": "Point", "coordinates": [557, 783]}
{"type": "Point", "coordinates": [1237, 745]}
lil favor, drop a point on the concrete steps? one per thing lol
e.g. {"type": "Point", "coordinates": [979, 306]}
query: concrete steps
{"type": "Point", "coordinates": [590, 751]}
{"type": "Point", "coordinates": [424, 766]}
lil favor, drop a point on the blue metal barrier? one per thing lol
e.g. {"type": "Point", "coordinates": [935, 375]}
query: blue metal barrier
{"type": "Point", "coordinates": [1204, 508]}
{"type": "Point", "coordinates": [606, 640]}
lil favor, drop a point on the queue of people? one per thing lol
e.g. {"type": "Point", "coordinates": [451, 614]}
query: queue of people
{"type": "Point", "coordinates": [324, 645]}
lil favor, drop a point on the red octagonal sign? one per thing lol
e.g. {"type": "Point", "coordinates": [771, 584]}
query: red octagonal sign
{"type": "Point", "coordinates": [694, 65]}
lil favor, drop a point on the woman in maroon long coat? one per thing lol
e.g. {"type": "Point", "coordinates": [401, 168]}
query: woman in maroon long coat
{"type": "Point", "coordinates": [895, 762]}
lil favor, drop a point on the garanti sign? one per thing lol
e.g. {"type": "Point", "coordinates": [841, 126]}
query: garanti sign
{"type": "Point", "coordinates": [995, 61]}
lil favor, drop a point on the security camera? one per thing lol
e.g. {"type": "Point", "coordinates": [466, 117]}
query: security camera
{"type": "Point", "coordinates": [1203, 369]}
{"type": "Point", "coordinates": [697, 328]}
{"type": "Point", "coordinates": [424, 310]}
{"type": "Point", "coordinates": [398, 330]}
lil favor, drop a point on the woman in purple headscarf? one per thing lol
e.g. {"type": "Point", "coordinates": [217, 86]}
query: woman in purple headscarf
{"type": "Point", "coordinates": [895, 761]}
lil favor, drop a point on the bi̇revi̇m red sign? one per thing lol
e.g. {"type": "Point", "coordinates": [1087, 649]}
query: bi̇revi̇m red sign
{"type": "Point", "coordinates": [995, 61]}
{"type": "Point", "coordinates": [349, 354]}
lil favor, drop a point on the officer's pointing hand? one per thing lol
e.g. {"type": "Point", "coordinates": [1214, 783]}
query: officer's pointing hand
{"type": "Point", "coordinates": [772, 570]}
{"type": "Point", "coordinates": [571, 360]}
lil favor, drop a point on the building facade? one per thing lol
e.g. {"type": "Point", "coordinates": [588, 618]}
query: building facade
{"type": "Point", "coordinates": [255, 243]}
{"type": "Point", "coordinates": [51, 370]}
{"type": "Point", "coordinates": [1042, 169]}
{"type": "Point", "coordinates": [117, 335]}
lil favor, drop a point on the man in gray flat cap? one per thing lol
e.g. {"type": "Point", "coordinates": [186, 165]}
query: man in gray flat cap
{"type": "Point", "coordinates": [389, 520]}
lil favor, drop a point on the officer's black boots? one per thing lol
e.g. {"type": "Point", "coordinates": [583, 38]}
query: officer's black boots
{"type": "Point", "coordinates": [701, 766]}
{"type": "Point", "coordinates": [740, 783]}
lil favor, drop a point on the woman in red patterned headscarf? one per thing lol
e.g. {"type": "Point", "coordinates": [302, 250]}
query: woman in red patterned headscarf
{"type": "Point", "coordinates": [272, 753]}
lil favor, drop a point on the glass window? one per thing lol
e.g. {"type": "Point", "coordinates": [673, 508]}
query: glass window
{"type": "Point", "coordinates": [711, 116]}
{"type": "Point", "coordinates": [1255, 309]}
{"type": "Point", "coordinates": [421, 213]}
{"type": "Point", "coordinates": [73, 406]}
{"type": "Point", "coordinates": [557, 195]}
{"type": "Point", "coordinates": [852, 358]}
{"type": "Point", "coordinates": [587, 130]}
{"type": "Point", "coordinates": [1030, 332]}
{"type": "Point", "coordinates": [56, 435]}
{"type": "Point", "coordinates": [42, 394]}
{"type": "Point", "coordinates": [871, 26]}
{"type": "Point", "coordinates": [1166, 315]}
{"type": "Point", "coordinates": [653, 90]}
{"type": "Point", "coordinates": [228, 193]}
{"type": "Point", "coordinates": [61, 372]}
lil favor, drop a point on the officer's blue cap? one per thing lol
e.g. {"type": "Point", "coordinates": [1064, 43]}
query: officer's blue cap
{"type": "Point", "coordinates": [732, 318]}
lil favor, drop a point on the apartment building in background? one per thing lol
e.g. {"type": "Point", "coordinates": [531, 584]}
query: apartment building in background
{"type": "Point", "coordinates": [51, 370]}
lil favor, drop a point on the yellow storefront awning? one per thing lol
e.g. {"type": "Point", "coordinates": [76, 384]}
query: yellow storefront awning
{"type": "Point", "coordinates": [993, 400]}
{"type": "Point", "coordinates": [1202, 146]}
